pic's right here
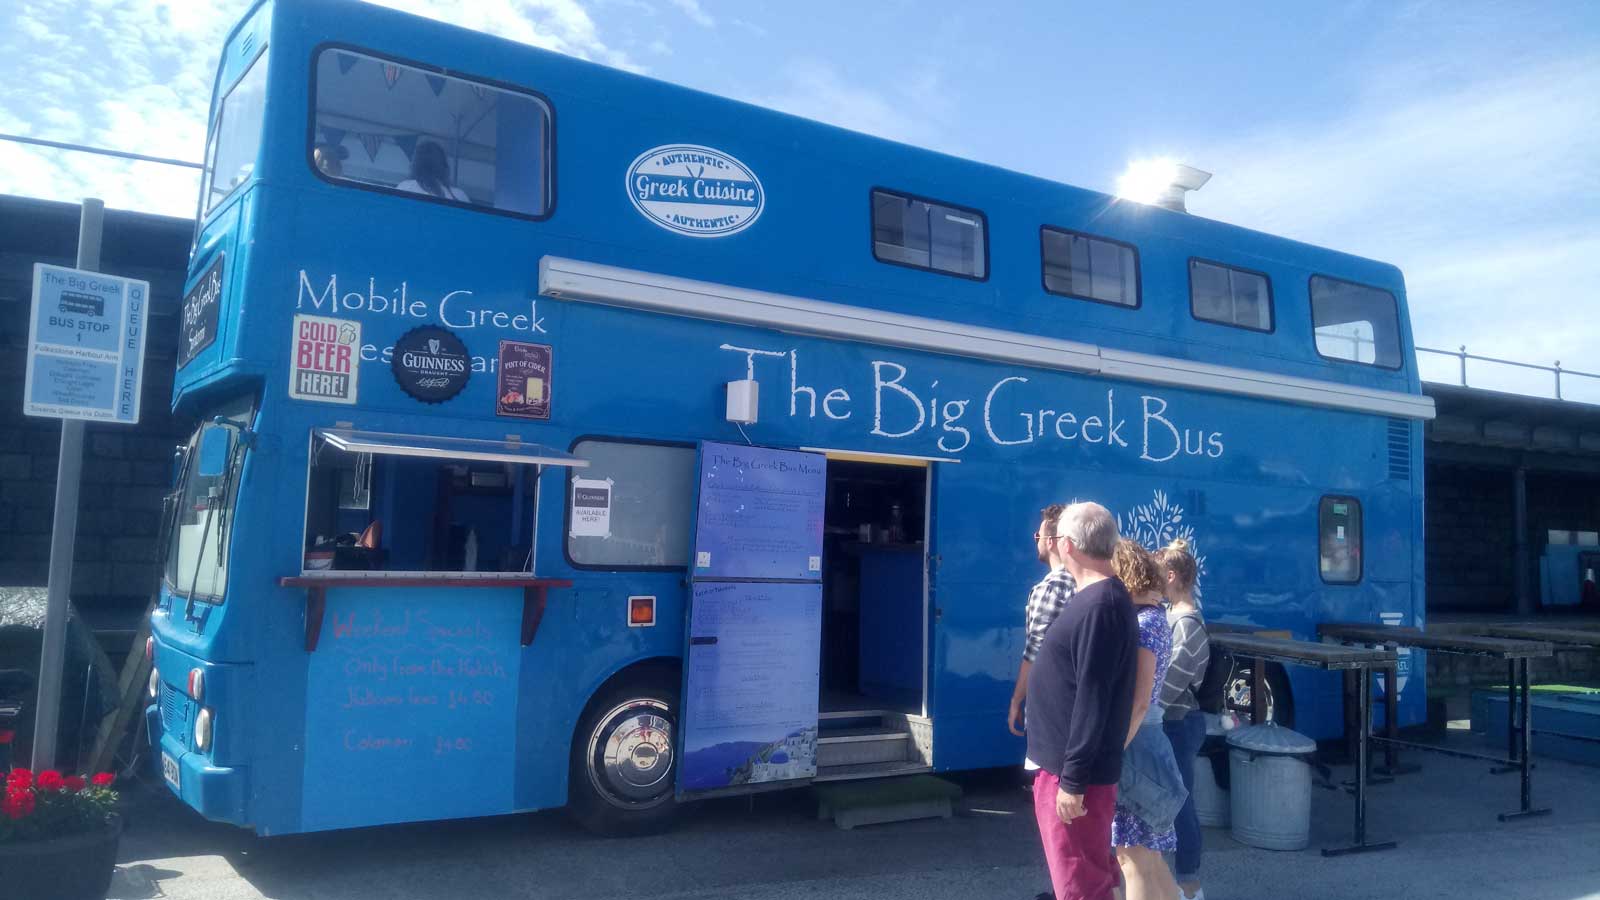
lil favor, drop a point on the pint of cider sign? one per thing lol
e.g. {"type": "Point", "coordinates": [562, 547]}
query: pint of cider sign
{"type": "Point", "coordinates": [524, 389]}
{"type": "Point", "coordinates": [325, 356]}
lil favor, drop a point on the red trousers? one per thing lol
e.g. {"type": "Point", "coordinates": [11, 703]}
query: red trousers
{"type": "Point", "coordinates": [1082, 864]}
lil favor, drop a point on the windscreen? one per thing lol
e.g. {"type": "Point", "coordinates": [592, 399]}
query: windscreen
{"type": "Point", "coordinates": [201, 508]}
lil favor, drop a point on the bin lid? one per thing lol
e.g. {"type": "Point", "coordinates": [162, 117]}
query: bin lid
{"type": "Point", "coordinates": [1271, 739]}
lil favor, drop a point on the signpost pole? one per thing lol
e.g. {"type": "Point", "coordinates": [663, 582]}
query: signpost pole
{"type": "Point", "coordinates": [63, 535]}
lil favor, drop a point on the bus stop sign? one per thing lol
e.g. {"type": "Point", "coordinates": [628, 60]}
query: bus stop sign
{"type": "Point", "coordinates": [86, 339]}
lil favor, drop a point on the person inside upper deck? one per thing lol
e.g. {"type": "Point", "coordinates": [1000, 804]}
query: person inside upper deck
{"type": "Point", "coordinates": [430, 174]}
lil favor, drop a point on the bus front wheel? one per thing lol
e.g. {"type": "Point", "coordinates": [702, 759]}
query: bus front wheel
{"type": "Point", "coordinates": [623, 770]}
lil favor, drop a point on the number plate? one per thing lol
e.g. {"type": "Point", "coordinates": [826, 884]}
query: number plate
{"type": "Point", "coordinates": [169, 771]}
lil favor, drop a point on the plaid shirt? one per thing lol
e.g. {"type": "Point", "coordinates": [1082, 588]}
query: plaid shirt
{"type": "Point", "coordinates": [1046, 601]}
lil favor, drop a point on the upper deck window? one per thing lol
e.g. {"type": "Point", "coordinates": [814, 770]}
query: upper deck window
{"type": "Point", "coordinates": [1089, 268]}
{"type": "Point", "coordinates": [1355, 323]}
{"type": "Point", "coordinates": [927, 235]}
{"type": "Point", "coordinates": [1230, 296]}
{"type": "Point", "coordinates": [236, 136]}
{"type": "Point", "coordinates": [416, 131]}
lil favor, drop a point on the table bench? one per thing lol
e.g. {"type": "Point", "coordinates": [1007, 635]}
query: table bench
{"type": "Point", "coordinates": [1328, 657]}
{"type": "Point", "coordinates": [1515, 651]}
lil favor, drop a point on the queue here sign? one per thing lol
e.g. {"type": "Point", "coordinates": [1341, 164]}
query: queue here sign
{"type": "Point", "coordinates": [86, 343]}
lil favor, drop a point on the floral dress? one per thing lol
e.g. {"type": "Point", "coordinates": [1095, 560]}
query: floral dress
{"type": "Point", "coordinates": [1127, 829]}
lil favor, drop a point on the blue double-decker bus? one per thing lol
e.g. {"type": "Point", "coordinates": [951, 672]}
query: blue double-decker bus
{"type": "Point", "coordinates": [570, 438]}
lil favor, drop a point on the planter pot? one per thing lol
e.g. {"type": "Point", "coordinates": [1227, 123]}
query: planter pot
{"type": "Point", "coordinates": [75, 867]}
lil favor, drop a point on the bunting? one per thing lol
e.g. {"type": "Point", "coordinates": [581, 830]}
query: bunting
{"type": "Point", "coordinates": [407, 144]}
{"type": "Point", "coordinates": [481, 90]}
{"type": "Point", "coordinates": [334, 136]}
{"type": "Point", "coordinates": [346, 62]}
{"type": "Point", "coordinates": [391, 74]}
{"type": "Point", "coordinates": [436, 82]}
{"type": "Point", "coordinates": [370, 143]}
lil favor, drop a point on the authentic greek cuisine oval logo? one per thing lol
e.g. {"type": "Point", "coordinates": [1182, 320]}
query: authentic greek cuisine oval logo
{"type": "Point", "coordinates": [695, 190]}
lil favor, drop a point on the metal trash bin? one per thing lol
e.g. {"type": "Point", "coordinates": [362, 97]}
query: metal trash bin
{"type": "Point", "coordinates": [1212, 805]}
{"type": "Point", "coordinates": [1270, 770]}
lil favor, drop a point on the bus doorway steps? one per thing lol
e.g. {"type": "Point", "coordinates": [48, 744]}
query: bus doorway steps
{"type": "Point", "coordinates": [855, 744]}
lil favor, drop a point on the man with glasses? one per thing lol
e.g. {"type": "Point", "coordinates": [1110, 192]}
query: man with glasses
{"type": "Point", "coordinates": [1079, 705]}
{"type": "Point", "coordinates": [1046, 601]}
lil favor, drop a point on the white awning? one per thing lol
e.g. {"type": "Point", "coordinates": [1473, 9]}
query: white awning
{"type": "Point", "coordinates": [434, 447]}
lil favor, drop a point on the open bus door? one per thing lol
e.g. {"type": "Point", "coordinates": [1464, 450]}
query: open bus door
{"type": "Point", "coordinates": [753, 639]}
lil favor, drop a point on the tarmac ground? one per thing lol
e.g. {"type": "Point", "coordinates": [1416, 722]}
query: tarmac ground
{"type": "Point", "coordinates": [772, 847]}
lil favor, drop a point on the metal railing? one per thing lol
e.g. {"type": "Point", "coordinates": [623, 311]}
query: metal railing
{"type": "Point", "coordinates": [1463, 356]}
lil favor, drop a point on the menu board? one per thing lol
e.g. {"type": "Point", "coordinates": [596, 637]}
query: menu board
{"type": "Point", "coordinates": [750, 711]}
{"type": "Point", "coordinates": [759, 513]}
{"type": "Point", "coordinates": [411, 704]}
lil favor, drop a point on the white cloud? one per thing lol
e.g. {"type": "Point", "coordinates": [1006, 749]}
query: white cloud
{"type": "Point", "coordinates": [136, 75]}
{"type": "Point", "coordinates": [691, 8]}
{"type": "Point", "coordinates": [1486, 193]}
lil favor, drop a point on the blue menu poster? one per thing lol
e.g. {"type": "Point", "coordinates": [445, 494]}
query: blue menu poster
{"type": "Point", "coordinates": [750, 707]}
{"type": "Point", "coordinates": [754, 636]}
{"type": "Point", "coordinates": [759, 513]}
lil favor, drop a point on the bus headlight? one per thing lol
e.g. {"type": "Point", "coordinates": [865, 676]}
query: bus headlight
{"type": "Point", "coordinates": [202, 730]}
{"type": "Point", "coordinates": [155, 683]}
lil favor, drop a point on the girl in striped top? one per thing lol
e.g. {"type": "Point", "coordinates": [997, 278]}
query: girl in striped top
{"type": "Point", "coordinates": [1184, 722]}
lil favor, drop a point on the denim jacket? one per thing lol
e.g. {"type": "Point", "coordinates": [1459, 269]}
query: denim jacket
{"type": "Point", "coordinates": [1151, 786]}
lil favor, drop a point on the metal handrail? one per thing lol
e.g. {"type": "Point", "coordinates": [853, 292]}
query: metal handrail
{"type": "Point", "coordinates": [1463, 356]}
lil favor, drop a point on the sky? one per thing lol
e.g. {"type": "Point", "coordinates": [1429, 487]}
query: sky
{"type": "Point", "coordinates": [1459, 140]}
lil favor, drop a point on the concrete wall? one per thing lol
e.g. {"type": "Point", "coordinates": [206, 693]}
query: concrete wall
{"type": "Point", "coordinates": [1470, 545]}
{"type": "Point", "coordinates": [1471, 541]}
{"type": "Point", "coordinates": [126, 469]}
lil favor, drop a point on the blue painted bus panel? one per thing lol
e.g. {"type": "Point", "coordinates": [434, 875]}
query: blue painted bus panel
{"type": "Point", "coordinates": [415, 687]}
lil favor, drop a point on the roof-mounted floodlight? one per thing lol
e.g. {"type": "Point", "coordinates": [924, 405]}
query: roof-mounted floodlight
{"type": "Point", "coordinates": [1161, 182]}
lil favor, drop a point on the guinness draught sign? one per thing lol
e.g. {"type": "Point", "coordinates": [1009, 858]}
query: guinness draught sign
{"type": "Point", "coordinates": [431, 364]}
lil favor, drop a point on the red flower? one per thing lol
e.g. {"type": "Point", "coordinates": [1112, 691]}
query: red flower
{"type": "Point", "coordinates": [103, 779]}
{"type": "Point", "coordinates": [18, 803]}
{"type": "Point", "coordinates": [50, 780]}
{"type": "Point", "coordinates": [19, 779]}
{"type": "Point", "coordinates": [75, 783]}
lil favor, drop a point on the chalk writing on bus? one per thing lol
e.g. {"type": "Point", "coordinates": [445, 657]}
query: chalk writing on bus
{"type": "Point", "coordinates": [905, 405]}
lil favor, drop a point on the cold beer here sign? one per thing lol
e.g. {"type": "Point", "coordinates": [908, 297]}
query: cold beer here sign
{"type": "Point", "coordinates": [86, 338]}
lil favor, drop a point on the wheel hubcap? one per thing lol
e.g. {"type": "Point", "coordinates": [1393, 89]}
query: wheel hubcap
{"type": "Point", "coordinates": [630, 755]}
{"type": "Point", "coordinates": [1238, 697]}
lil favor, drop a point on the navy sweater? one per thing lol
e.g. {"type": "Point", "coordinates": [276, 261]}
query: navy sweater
{"type": "Point", "coordinates": [1080, 689]}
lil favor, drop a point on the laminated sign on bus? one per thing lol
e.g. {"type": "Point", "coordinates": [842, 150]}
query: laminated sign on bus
{"type": "Point", "coordinates": [695, 190]}
{"type": "Point", "coordinates": [325, 362]}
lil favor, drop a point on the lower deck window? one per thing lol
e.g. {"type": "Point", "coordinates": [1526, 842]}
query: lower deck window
{"type": "Point", "coordinates": [1339, 539]}
{"type": "Point", "coordinates": [632, 507]}
{"type": "Point", "coordinates": [402, 504]}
